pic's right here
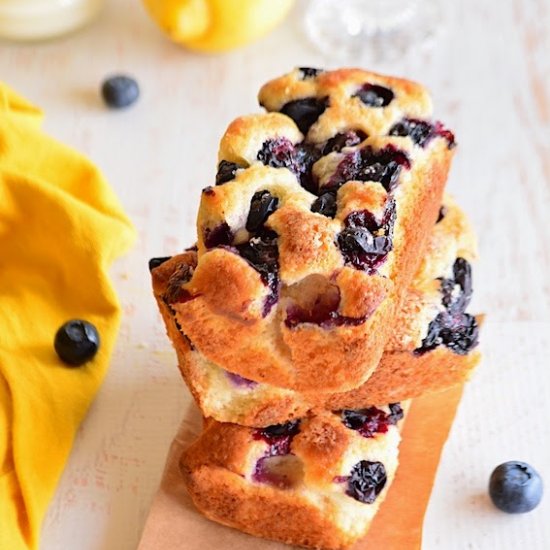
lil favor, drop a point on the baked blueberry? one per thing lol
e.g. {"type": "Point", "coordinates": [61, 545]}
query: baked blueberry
{"type": "Point", "coordinates": [120, 91]}
{"type": "Point", "coordinates": [292, 427]}
{"type": "Point", "coordinates": [344, 139]}
{"type": "Point", "coordinates": [457, 290]}
{"type": "Point", "coordinates": [279, 436]}
{"type": "Point", "coordinates": [515, 487]}
{"type": "Point", "coordinates": [396, 413]}
{"type": "Point", "coordinates": [262, 252]}
{"type": "Point", "coordinates": [309, 72]}
{"type": "Point", "coordinates": [221, 235]}
{"type": "Point", "coordinates": [278, 153]}
{"type": "Point", "coordinates": [240, 381]}
{"type": "Point", "coordinates": [156, 262]}
{"type": "Point", "coordinates": [364, 242]}
{"type": "Point", "coordinates": [226, 171]}
{"type": "Point", "coordinates": [459, 332]}
{"type": "Point", "coordinates": [262, 205]}
{"type": "Point", "coordinates": [374, 95]}
{"type": "Point", "coordinates": [368, 422]}
{"type": "Point", "coordinates": [76, 342]}
{"type": "Point", "coordinates": [306, 155]}
{"type": "Point", "coordinates": [357, 241]}
{"type": "Point", "coordinates": [462, 274]}
{"type": "Point", "coordinates": [305, 112]}
{"type": "Point", "coordinates": [366, 481]}
{"type": "Point", "coordinates": [453, 327]}
{"type": "Point", "coordinates": [383, 165]}
{"type": "Point", "coordinates": [325, 204]}
{"type": "Point", "coordinates": [419, 131]}
{"type": "Point", "coordinates": [322, 315]}
{"type": "Point", "coordinates": [299, 158]}
{"type": "Point", "coordinates": [422, 132]}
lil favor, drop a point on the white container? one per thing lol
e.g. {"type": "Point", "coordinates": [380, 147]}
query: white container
{"type": "Point", "coordinates": [42, 19]}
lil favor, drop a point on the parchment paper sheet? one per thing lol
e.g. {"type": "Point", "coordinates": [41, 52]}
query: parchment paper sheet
{"type": "Point", "coordinates": [174, 524]}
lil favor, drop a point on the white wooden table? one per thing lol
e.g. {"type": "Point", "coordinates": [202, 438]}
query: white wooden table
{"type": "Point", "coordinates": [490, 78]}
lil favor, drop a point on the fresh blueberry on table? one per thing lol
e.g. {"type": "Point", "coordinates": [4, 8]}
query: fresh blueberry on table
{"type": "Point", "coordinates": [76, 342]}
{"type": "Point", "coordinates": [120, 91]}
{"type": "Point", "coordinates": [515, 487]}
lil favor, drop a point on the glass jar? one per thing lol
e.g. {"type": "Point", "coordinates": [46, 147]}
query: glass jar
{"type": "Point", "coordinates": [42, 19]}
{"type": "Point", "coordinates": [372, 31]}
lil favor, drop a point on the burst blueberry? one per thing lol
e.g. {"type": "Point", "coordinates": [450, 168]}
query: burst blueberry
{"type": "Point", "coordinates": [367, 164]}
{"type": "Point", "coordinates": [419, 131]}
{"type": "Point", "coordinates": [299, 158]}
{"type": "Point", "coordinates": [344, 139]}
{"type": "Point", "coordinates": [364, 242]}
{"type": "Point", "coordinates": [220, 235]}
{"type": "Point", "coordinates": [278, 436]}
{"type": "Point", "coordinates": [278, 153]}
{"type": "Point", "coordinates": [368, 422]}
{"type": "Point", "coordinates": [459, 332]}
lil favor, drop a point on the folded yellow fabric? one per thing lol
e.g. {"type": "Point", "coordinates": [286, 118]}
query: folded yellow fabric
{"type": "Point", "coordinates": [60, 228]}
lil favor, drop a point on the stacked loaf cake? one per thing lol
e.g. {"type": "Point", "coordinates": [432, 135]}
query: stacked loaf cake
{"type": "Point", "coordinates": [328, 286]}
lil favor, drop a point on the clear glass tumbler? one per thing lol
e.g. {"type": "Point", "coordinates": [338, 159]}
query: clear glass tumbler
{"type": "Point", "coordinates": [371, 30]}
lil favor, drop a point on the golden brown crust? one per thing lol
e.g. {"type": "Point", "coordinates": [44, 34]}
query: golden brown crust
{"type": "Point", "coordinates": [399, 376]}
{"type": "Point", "coordinates": [401, 373]}
{"type": "Point", "coordinates": [404, 375]}
{"type": "Point", "coordinates": [411, 100]}
{"type": "Point", "coordinates": [306, 244]}
{"type": "Point", "coordinates": [234, 317]}
{"type": "Point", "coordinates": [313, 510]}
{"type": "Point", "coordinates": [223, 499]}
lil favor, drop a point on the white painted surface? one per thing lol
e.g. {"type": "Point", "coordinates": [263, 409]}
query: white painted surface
{"type": "Point", "coordinates": [490, 78]}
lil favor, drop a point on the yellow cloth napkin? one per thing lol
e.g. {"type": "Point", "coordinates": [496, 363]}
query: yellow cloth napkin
{"type": "Point", "coordinates": [61, 226]}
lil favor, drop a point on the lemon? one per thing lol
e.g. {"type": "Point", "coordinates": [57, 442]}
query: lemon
{"type": "Point", "coordinates": [217, 25]}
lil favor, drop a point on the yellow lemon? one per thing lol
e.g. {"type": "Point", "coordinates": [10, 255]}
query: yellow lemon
{"type": "Point", "coordinates": [217, 25]}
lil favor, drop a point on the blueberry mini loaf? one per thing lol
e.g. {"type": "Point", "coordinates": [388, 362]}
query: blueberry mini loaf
{"type": "Point", "coordinates": [316, 482]}
{"type": "Point", "coordinates": [432, 347]}
{"type": "Point", "coordinates": [324, 203]}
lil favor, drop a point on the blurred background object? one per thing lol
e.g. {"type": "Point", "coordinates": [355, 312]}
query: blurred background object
{"type": "Point", "coordinates": [217, 25]}
{"type": "Point", "coordinates": [489, 74]}
{"type": "Point", "coordinates": [359, 31]}
{"type": "Point", "coordinates": [42, 19]}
